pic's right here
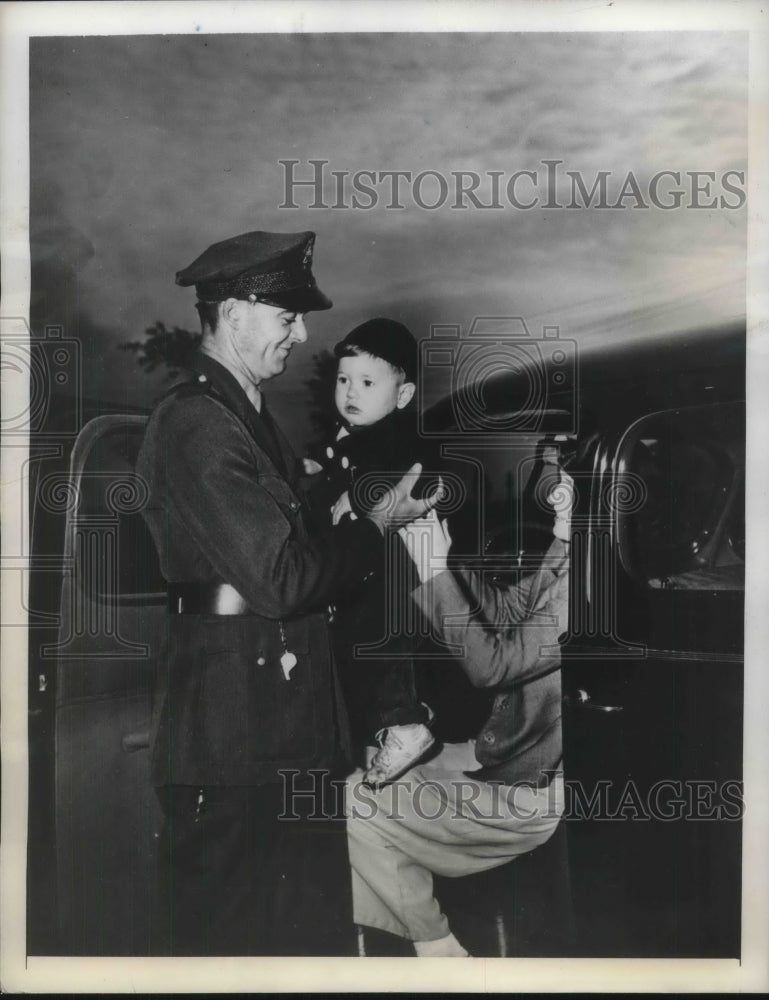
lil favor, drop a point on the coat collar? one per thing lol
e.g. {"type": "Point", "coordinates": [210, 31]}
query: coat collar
{"type": "Point", "coordinates": [232, 394]}
{"type": "Point", "coordinates": [387, 437]}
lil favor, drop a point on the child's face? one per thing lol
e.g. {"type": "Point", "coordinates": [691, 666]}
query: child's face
{"type": "Point", "coordinates": [368, 388]}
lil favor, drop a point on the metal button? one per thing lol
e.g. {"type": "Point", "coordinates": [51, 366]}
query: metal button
{"type": "Point", "coordinates": [329, 452]}
{"type": "Point", "coordinates": [294, 505]}
{"type": "Point", "coordinates": [261, 661]}
{"type": "Point", "coordinates": [345, 462]}
{"type": "Point", "coordinates": [202, 378]}
{"type": "Point", "coordinates": [489, 738]}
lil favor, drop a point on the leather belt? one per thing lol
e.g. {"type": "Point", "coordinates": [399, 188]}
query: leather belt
{"type": "Point", "coordinates": [205, 599]}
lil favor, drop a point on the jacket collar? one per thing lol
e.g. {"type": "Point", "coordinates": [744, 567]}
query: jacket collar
{"type": "Point", "coordinates": [393, 432]}
{"type": "Point", "coordinates": [232, 394]}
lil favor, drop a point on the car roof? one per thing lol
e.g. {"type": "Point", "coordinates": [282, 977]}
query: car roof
{"type": "Point", "coordinates": [618, 382]}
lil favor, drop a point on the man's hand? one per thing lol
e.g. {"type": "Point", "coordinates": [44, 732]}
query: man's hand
{"type": "Point", "coordinates": [397, 506]}
{"type": "Point", "coordinates": [340, 508]}
{"type": "Point", "coordinates": [428, 542]}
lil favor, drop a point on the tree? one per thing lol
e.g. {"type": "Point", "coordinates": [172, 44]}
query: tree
{"type": "Point", "coordinates": [171, 348]}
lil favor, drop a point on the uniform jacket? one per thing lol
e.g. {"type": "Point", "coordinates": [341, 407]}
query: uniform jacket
{"type": "Point", "coordinates": [507, 639]}
{"type": "Point", "coordinates": [225, 505]}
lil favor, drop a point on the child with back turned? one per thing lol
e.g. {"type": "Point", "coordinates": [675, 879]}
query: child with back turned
{"type": "Point", "coordinates": [376, 442]}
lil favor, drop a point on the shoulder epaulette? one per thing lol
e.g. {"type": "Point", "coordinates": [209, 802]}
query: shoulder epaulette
{"type": "Point", "coordinates": [199, 385]}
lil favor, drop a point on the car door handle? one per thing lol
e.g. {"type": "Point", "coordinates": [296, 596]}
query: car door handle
{"type": "Point", "coordinates": [583, 700]}
{"type": "Point", "coordinates": [132, 742]}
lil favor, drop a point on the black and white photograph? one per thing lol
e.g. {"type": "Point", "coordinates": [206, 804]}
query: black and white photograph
{"type": "Point", "coordinates": [383, 399]}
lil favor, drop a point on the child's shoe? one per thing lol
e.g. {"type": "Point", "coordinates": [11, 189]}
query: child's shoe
{"type": "Point", "coordinates": [399, 748]}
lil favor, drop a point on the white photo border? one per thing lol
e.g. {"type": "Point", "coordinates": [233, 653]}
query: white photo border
{"type": "Point", "coordinates": [19, 22]}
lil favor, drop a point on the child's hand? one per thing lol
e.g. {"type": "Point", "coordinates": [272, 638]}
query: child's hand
{"type": "Point", "coordinates": [342, 507]}
{"type": "Point", "coordinates": [311, 467]}
{"type": "Point", "coordinates": [428, 542]}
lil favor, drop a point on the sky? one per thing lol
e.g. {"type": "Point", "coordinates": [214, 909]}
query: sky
{"type": "Point", "coordinates": [146, 149]}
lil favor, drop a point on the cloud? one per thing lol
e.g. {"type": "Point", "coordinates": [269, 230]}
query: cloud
{"type": "Point", "coordinates": [146, 149]}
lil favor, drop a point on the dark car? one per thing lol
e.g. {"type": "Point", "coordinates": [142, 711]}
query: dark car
{"type": "Point", "coordinates": [654, 440]}
{"type": "Point", "coordinates": [652, 664]}
{"type": "Point", "coordinates": [96, 605]}
{"type": "Point", "coordinates": [653, 668]}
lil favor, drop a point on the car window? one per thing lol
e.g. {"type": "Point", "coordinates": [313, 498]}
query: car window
{"type": "Point", "coordinates": [688, 530]}
{"type": "Point", "coordinates": [111, 497]}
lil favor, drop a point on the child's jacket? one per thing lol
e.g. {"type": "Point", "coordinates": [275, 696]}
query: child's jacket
{"type": "Point", "coordinates": [380, 613]}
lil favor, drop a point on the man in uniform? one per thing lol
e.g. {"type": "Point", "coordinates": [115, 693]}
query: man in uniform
{"type": "Point", "coordinates": [247, 702]}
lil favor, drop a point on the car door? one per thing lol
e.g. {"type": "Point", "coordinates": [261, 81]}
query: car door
{"type": "Point", "coordinates": [653, 684]}
{"type": "Point", "coordinates": [109, 636]}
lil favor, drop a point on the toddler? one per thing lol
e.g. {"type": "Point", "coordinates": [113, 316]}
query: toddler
{"type": "Point", "coordinates": [376, 443]}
